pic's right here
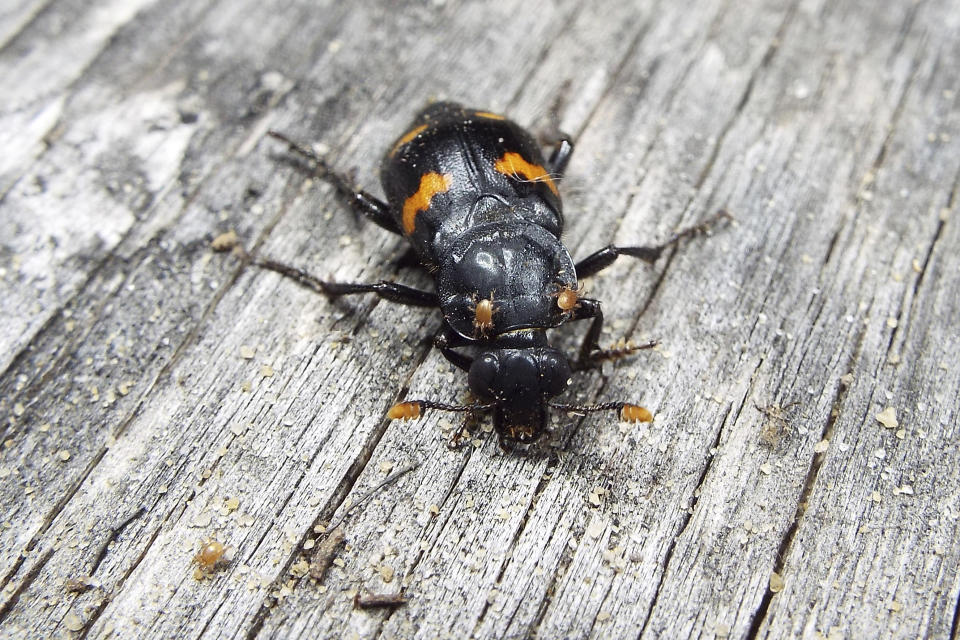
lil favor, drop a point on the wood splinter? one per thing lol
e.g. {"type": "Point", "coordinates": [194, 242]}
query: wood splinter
{"type": "Point", "coordinates": [378, 600]}
{"type": "Point", "coordinates": [323, 556]}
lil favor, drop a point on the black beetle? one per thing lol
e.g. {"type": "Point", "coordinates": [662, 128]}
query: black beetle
{"type": "Point", "coordinates": [472, 193]}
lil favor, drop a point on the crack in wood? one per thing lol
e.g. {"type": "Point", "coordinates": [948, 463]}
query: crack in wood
{"type": "Point", "coordinates": [935, 240]}
{"type": "Point", "coordinates": [187, 340]}
{"type": "Point", "coordinates": [894, 121]}
{"type": "Point", "coordinates": [118, 585]}
{"type": "Point", "coordinates": [23, 29]}
{"type": "Point", "coordinates": [816, 462]}
{"type": "Point", "coordinates": [101, 268]}
{"type": "Point", "coordinates": [618, 71]}
{"type": "Point", "coordinates": [688, 516]}
{"type": "Point", "coordinates": [100, 272]}
{"type": "Point", "coordinates": [337, 499]}
{"type": "Point", "coordinates": [955, 623]}
{"type": "Point", "coordinates": [765, 61]}
{"type": "Point", "coordinates": [426, 531]}
{"type": "Point", "coordinates": [28, 579]}
{"type": "Point", "coordinates": [112, 535]}
{"type": "Point", "coordinates": [538, 491]}
{"type": "Point", "coordinates": [566, 23]}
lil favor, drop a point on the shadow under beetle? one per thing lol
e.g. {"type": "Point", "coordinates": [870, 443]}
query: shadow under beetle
{"type": "Point", "coordinates": [473, 195]}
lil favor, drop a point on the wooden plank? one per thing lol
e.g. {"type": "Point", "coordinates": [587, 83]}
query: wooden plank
{"type": "Point", "coordinates": [159, 395]}
{"type": "Point", "coordinates": [846, 242]}
{"type": "Point", "coordinates": [101, 354]}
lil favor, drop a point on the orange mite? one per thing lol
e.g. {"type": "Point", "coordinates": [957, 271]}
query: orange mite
{"type": "Point", "coordinates": [568, 299]}
{"type": "Point", "coordinates": [209, 555]}
{"type": "Point", "coordinates": [483, 315]}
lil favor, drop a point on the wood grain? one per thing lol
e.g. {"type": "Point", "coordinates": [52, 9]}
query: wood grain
{"type": "Point", "coordinates": [799, 480]}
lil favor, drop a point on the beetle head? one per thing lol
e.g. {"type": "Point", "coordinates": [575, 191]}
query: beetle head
{"type": "Point", "coordinates": [518, 383]}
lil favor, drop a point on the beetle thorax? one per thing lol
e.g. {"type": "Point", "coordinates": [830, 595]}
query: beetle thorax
{"type": "Point", "coordinates": [501, 278]}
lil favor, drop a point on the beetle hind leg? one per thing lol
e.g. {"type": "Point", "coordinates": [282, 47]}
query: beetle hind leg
{"type": "Point", "coordinates": [358, 200]}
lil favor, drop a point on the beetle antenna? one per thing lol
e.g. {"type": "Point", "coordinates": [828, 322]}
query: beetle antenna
{"type": "Point", "coordinates": [628, 412]}
{"type": "Point", "coordinates": [413, 409]}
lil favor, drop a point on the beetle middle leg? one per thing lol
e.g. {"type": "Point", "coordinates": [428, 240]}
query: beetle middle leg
{"type": "Point", "coordinates": [360, 201]}
{"type": "Point", "coordinates": [590, 351]}
{"type": "Point", "coordinates": [391, 291]}
{"type": "Point", "coordinates": [603, 258]}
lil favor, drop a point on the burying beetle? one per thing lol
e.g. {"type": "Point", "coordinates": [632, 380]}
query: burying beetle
{"type": "Point", "coordinates": [471, 192]}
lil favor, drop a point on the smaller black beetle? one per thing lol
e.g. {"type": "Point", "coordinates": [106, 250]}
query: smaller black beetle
{"type": "Point", "coordinates": [472, 193]}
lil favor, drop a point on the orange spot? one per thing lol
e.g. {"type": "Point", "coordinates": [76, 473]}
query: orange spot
{"type": "Point", "coordinates": [407, 137]}
{"type": "Point", "coordinates": [404, 411]}
{"type": "Point", "coordinates": [513, 164]}
{"type": "Point", "coordinates": [488, 114]}
{"type": "Point", "coordinates": [430, 185]}
{"type": "Point", "coordinates": [635, 413]}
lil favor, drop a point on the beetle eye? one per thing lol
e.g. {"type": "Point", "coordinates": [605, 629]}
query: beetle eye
{"type": "Point", "coordinates": [483, 374]}
{"type": "Point", "coordinates": [556, 372]}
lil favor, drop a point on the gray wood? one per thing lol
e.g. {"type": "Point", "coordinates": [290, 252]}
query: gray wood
{"type": "Point", "coordinates": [156, 395]}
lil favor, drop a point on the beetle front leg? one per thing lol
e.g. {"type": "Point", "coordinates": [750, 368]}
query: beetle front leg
{"type": "Point", "coordinates": [445, 341]}
{"type": "Point", "coordinates": [590, 352]}
{"type": "Point", "coordinates": [589, 308]}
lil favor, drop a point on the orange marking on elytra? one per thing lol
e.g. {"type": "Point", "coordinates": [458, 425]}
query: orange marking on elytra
{"type": "Point", "coordinates": [514, 164]}
{"type": "Point", "coordinates": [407, 137]}
{"type": "Point", "coordinates": [489, 114]}
{"type": "Point", "coordinates": [431, 184]}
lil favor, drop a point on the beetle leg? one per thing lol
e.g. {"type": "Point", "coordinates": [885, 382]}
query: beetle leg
{"type": "Point", "coordinates": [459, 436]}
{"type": "Point", "coordinates": [464, 432]}
{"type": "Point", "coordinates": [562, 150]}
{"type": "Point", "coordinates": [605, 257]}
{"type": "Point", "coordinates": [590, 352]}
{"type": "Point", "coordinates": [589, 308]}
{"type": "Point", "coordinates": [362, 202]}
{"type": "Point", "coordinates": [391, 291]}
{"type": "Point", "coordinates": [442, 342]}
{"type": "Point", "coordinates": [619, 349]}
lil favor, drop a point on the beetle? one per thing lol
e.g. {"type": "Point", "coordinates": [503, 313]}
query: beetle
{"type": "Point", "coordinates": [480, 206]}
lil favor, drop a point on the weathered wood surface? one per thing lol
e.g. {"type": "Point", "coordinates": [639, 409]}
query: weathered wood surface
{"type": "Point", "coordinates": [135, 426]}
